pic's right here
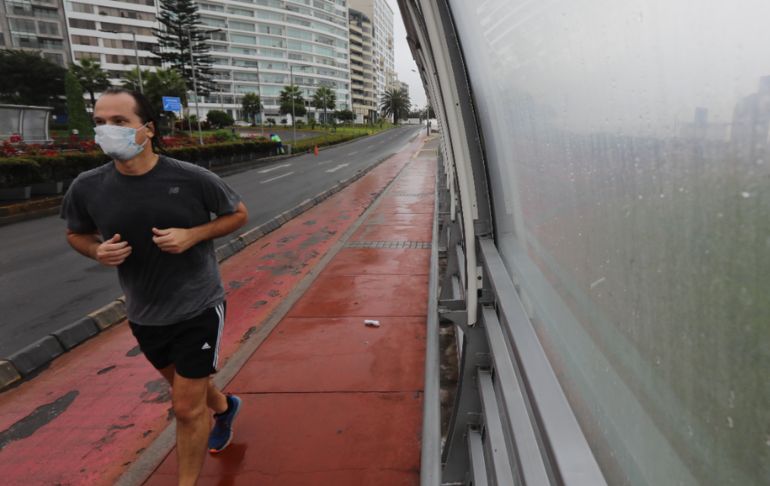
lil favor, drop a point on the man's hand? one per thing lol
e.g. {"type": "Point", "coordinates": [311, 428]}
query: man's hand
{"type": "Point", "coordinates": [174, 240]}
{"type": "Point", "coordinates": [112, 252]}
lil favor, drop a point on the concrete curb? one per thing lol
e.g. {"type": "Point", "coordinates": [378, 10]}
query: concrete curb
{"type": "Point", "coordinates": [77, 332]}
{"type": "Point", "coordinates": [36, 355]}
{"type": "Point", "coordinates": [23, 363]}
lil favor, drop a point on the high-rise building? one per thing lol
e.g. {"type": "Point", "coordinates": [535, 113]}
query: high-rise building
{"type": "Point", "coordinates": [105, 30]}
{"type": "Point", "coordinates": [362, 83]}
{"type": "Point", "coordinates": [260, 46]}
{"type": "Point", "coordinates": [35, 25]}
{"type": "Point", "coordinates": [255, 47]}
{"type": "Point", "coordinates": [381, 16]}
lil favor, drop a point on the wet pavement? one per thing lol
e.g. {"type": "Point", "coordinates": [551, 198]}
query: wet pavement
{"type": "Point", "coordinates": [327, 399]}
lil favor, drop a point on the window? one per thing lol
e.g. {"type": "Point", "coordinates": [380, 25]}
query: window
{"type": "Point", "coordinates": [243, 39]}
{"type": "Point", "coordinates": [240, 76]}
{"type": "Point", "coordinates": [85, 40]}
{"type": "Point", "coordinates": [48, 28]}
{"type": "Point", "coordinates": [212, 7]}
{"type": "Point", "coordinates": [54, 57]}
{"type": "Point", "coordinates": [214, 22]}
{"type": "Point", "coordinates": [270, 29]}
{"type": "Point", "coordinates": [235, 25]}
{"type": "Point", "coordinates": [82, 7]}
{"type": "Point", "coordinates": [240, 11]}
{"type": "Point", "coordinates": [271, 42]}
{"type": "Point", "coordinates": [244, 63]}
{"type": "Point", "coordinates": [79, 55]}
{"type": "Point", "coordinates": [23, 25]}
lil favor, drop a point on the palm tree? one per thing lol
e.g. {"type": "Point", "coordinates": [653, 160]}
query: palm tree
{"type": "Point", "coordinates": [251, 105]}
{"type": "Point", "coordinates": [164, 82]}
{"type": "Point", "coordinates": [92, 77]}
{"type": "Point", "coordinates": [291, 95]}
{"type": "Point", "coordinates": [395, 102]}
{"type": "Point", "coordinates": [324, 98]}
{"type": "Point", "coordinates": [131, 79]}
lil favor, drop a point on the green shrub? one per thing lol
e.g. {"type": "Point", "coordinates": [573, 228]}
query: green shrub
{"type": "Point", "coordinates": [19, 172]}
{"type": "Point", "coordinates": [219, 119]}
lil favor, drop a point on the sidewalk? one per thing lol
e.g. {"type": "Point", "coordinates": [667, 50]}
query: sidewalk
{"type": "Point", "coordinates": [326, 399]}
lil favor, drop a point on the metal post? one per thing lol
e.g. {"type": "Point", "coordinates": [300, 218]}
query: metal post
{"type": "Point", "coordinates": [261, 113]}
{"type": "Point", "coordinates": [195, 88]}
{"type": "Point", "coordinates": [293, 99]}
{"type": "Point", "coordinates": [138, 67]}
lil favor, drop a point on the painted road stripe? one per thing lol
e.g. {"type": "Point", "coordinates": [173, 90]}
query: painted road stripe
{"type": "Point", "coordinates": [277, 177]}
{"type": "Point", "coordinates": [335, 169]}
{"type": "Point", "coordinates": [353, 153]}
{"type": "Point", "coordinates": [265, 171]}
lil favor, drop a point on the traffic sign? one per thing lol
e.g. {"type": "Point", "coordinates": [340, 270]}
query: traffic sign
{"type": "Point", "coordinates": [172, 103]}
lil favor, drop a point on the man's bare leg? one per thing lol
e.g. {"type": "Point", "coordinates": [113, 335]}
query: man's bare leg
{"type": "Point", "coordinates": [215, 399]}
{"type": "Point", "coordinates": [193, 424]}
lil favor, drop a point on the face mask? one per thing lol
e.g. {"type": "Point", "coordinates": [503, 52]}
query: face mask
{"type": "Point", "coordinates": [119, 142]}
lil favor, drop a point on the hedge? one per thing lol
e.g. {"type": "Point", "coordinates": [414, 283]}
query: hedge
{"type": "Point", "coordinates": [23, 171]}
{"type": "Point", "coordinates": [16, 171]}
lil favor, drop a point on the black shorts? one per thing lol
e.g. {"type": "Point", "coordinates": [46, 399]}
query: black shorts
{"type": "Point", "coordinates": [192, 346]}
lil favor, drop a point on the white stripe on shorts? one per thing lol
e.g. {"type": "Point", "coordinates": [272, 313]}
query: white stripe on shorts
{"type": "Point", "coordinates": [221, 313]}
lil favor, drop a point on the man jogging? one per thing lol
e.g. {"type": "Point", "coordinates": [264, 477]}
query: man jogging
{"type": "Point", "coordinates": [150, 216]}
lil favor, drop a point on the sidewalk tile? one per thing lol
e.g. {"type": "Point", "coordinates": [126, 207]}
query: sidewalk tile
{"type": "Point", "coordinates": [337, 354]}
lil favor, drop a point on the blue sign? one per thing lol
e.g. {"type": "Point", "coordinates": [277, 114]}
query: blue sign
{"type": "Point", "coordinates": [172, 103]}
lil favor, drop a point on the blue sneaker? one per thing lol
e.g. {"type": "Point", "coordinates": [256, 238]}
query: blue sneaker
{"type": "Point", "coordinates": [222, 433]}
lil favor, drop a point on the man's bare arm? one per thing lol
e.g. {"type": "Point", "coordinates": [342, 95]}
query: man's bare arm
{"type": "Point", "coordinates": [179, 240]}
{"type": "Point", "coordinates": [111, 253]}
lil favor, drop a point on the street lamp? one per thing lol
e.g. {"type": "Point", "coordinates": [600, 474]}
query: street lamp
{"type": "Point", "coordinates": [195, 80]}
{"type": "Point", "coordinates": [261, 106]}
{"type": "Point", "coordinates": [195, 87]}
{"type": "Point", "coordinates": [293, 119]}
{"type": "Point", "coordinates": [136, 55]}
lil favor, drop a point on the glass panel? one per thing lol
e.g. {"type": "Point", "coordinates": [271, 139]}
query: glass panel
{"type": "Point", "coordinates": [627, 150]}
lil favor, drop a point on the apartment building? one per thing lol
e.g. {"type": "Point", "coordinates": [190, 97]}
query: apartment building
{"type": "Point", "coordinates": [362, 82]}
{"type": "Point", "coordinates": [114, 33]}
{"type": "Point", "coordinates": [262, 47]}
{"type": "Point", "coordinates": [37, 25]}
{"type": "Point", "coordinates": [381, 17]}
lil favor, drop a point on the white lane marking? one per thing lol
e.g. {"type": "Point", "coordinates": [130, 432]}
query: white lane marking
{"type": "Point", "coordinates": [353, 153]}
{"type": "Point", "coordinates": [271, 169]}
{"type": "Point", "coordinates": [335, 169]}
{"type": "Point", "coordinates": [277, 177]}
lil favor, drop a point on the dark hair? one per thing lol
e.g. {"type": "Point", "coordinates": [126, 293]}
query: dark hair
{"type": "Point", "coordinates": [143, 110]}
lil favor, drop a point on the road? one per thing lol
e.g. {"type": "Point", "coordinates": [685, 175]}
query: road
{"type": "Point", "coordinates": [44, 284]}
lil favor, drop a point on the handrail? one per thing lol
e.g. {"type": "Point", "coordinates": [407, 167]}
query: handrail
{"type": "Point", "coordinates": [430, 460]}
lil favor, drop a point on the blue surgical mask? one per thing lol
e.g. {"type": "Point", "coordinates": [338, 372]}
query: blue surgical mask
{"type": "Point", "coordinates": [119, 142]}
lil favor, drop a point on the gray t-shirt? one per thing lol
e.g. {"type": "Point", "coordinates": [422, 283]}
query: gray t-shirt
{"type": "Point", "coordinates": [160, 288]}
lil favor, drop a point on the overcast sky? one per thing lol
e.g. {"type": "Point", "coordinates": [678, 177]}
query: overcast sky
{"type": "Point", "coordinates": [404, 61]}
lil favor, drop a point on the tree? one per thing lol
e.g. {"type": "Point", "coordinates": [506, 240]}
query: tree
{"type": "Point", "coordinates": [164, 82]}
{"type": "Point", "coordinates": [91, 77]}
{"type": "Point", "coordinates": [28, 79]}
{"type": "Point", "coordinates": [181, 32]}
{"type": "Point", "coordinates": [291, 95]}
{"type": "Point", "coordinates": [395, 102]}
{"type": "Point", "coordinates": [219, 119]}
{"type": "Point", "coordinates": [345, 116]}
{"type": "Point", "coordinates": [76, 108]}
{"type": "Point", "coordinates": [131, 79]}
{"type": "Point", "coordinates": [323, 99]}
{"type": "Point", "coordinates": [252, 105]}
